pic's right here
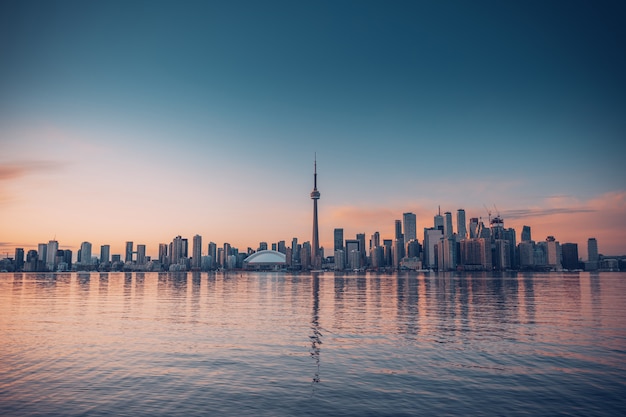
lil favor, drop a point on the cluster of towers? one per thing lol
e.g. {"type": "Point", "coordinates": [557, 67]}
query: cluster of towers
{"type": "Point", "coordinates": [474, 246]}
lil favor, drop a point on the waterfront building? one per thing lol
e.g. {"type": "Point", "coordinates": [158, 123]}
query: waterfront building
{"type": "Point", "coordinates": [32, 260]}
{"type": "Point", "coordinates": [593, 258]}
{"type": "Point", "coordinates": [354, 259]}
{"type": "Point", "coordinates": [265, 260]}
{"type": "Point", "coordinates": [51, 254]}
{"type": "Point", "coordinates": [42, 252]}
{"type": "Point", "coordinates": [398, 252]}
{"type": "Point", "coordinates": [163, 260]}
{"type": "Point", "coordinates": [461, 228]}
{"type": "Point", "coordinates": [432, 236]}
{"type": "Point", "coordinates": [85, 253]}
{"type": "Point", "coordinates": [413, 249]}
{"type": "Point", "coordinates": [553, 255]}
{"type": "Point", "coordinates": [377, 256]}
{"type": "Point", "coordinates": [446, 250]}
{"type": "Point", "coordinates": [305, 255]}
{"type": "Point", "coordinates": [212, 250]}
{"type": "Point", "coordinates": [501, 255]}
{"type": "Point", "coordinates": [196, 258]}
{"type": "Point", "coordinates": [352, 245]}
{"type": "Point", "coordinates": [569, 254]}
{"type": "Point", "coordinates": [361, 238]}
{"type": "Point", "coordinates": [340, 260]}
{"type": "Point", "coordinates": [19, 259]}
{"type": "Point", "coordinates": [475, 254]}
{"type": "Point", "coordinates": [526, 237]}
{"type": "Point", "coordinates": [526, 249]}
{"type": "Point", "coordinates": [105, 254]}
{"type": "Point", "coordinates": [141, 254]}
{"type": "Point", "coordinates": [282, 248]}
{"type": "Point", "coordinates": [128, 254]}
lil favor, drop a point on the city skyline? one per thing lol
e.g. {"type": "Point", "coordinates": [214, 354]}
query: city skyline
{"type": "Point", "coordinates": [141, 121]}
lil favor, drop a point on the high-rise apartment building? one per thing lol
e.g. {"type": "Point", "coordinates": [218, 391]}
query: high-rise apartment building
{"type": "Point", "coordinates": [213, 254]}
{"type": "Point", "coordinates": [129, 252]}
{"type": "Point", "coordinates": [85, 253]}
{"type": "Point", "coordinates": [141, 255]}
{"type": "Point", "coordinates": [105, 254]}
{"type": "Point", "coordinates": [196, 257]}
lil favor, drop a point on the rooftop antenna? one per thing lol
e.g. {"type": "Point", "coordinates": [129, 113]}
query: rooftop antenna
{"type": "Point", "coordinates": [315, 171]}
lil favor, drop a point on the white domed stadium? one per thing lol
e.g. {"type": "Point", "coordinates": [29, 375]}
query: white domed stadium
{"type": "Point", "coordinates": [265, 260]}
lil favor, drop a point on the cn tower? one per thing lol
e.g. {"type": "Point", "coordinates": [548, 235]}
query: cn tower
{"type": "Point", "coordinates": [315, 242]}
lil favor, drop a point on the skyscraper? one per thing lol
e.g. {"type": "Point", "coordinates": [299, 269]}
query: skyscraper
{"type": "Point", "coordinates": [196, 257]}
{"type": "Point", "coordinates": [473, 228]}
{"type": "Point", "coordinates": [53, 247]}
{"type": "Point", "coordinates": [592, 254]}
{"type": "Point", "coordinates": [315, 244]}
{"type": "Point", "coordinates": [85, 253]}
{"type": "Point", "coordinates": [461, 228]}
{"type": "Point", "coordinates": [447, 225]}
{"type": "Point", "coordinates": [438, 220]}
{"type": "Point", "coordinates": [338, 238]}
{"type": "Point", "coordinates": [129, 252]}
{"type": "Point", "coordinates": [410, 232]}
{"type": "Point", "coordinates": [105, 253]}
{"type": "Point", "coordinates": [526, 237]}
{"type": "Point", "coordinates": [141, 254]}
{"type": "Point", "coordinates": [592, 249]}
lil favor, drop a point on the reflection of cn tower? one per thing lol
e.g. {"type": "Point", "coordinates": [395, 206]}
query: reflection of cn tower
{"type": "Point", "coordinates": [315, 243]}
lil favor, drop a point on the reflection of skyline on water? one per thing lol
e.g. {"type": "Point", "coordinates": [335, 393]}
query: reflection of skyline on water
{"type": "Point", "coordinates": [203, 340]}
{"type": "Point", "coordinates": [413, 297]}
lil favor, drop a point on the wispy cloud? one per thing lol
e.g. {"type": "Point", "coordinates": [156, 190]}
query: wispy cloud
{"type": "Point", "coordinates": [10, 171]}
{"type": "Point", "coordinates": [540, 212]}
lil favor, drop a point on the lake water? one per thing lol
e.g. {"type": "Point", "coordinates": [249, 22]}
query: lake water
{"type": "Point", "coordinates": [275, 344]}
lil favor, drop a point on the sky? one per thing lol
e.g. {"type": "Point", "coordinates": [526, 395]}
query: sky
{"type": "Point", "coordinates": [143, 120]}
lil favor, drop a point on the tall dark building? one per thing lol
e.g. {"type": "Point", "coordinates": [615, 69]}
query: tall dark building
{"type": "Point", "coordinates": [128, 256]}
{"type": "Point", "coordinates": [569, 256]}
{"type": "Point", "coordinates": [526, 234]}
{"type": "Point", "coordinates": [315, 242]}
{"type": "Point", "coordinates": [338, 238]}
{"type": "Point", "coordinates": [19, 259]}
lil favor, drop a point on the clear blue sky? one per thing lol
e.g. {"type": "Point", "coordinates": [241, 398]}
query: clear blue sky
{"type": "Point", "coordinates": [143, 120]}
